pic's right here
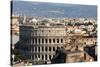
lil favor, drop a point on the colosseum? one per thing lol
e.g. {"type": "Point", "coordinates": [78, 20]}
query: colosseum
{"type": "Point", "coordinates": [40, 42]}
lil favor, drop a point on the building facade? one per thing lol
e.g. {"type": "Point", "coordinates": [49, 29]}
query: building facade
{"type": "Point", "coordinates": [41, 43]}
{"type": "Point", "coordinates": [40, 40]}
{"type": "Point", "coordinates": [14, 24]}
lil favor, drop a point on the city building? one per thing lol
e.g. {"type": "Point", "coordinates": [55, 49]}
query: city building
{"type": "Point", "coordinates": [40, 43]}
{"type": "Point", "coordinates": [39, 40]}
{"type": "Point", "coordinates": [14, 24]}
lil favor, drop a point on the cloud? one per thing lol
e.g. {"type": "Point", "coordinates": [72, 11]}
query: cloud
{"type": "Point", "coordinates": [55, 11]}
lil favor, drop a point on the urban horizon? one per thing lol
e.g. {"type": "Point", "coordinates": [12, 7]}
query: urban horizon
{"type": "Point", "coordinates": [52, 33]}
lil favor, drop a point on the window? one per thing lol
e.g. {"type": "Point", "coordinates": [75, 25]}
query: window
{"type": "Point", "coordinates": [35, 56]}
{"type": "Point", "coordinates": [53, 48]}
{"type": "Point", "coordinates": [36, 40]}
{"type": "Point", "coordinates": [84, 42]}
{"type": "Point", "coordinates": [42, 40]}
{"type": "Point", "coordinates": [46, 40]}
{"type": "Point", "coordinates": [42, 48]}
{"type": "Point", "coordinates": [61, 40]}
{"type": "Point", "coordinates": [38, 56]}
{"type": "Point", "coordinates": [46, 57]}
{"type": "Point", "coordinates": [39, 49]}
{"type": "Point", "coordinates": [45, 48]}
{"type": "Point", "coordinates": [33, 40]}
{"type": "Point", "coordinates": [35, 48]}
{"type": "Point", "coordinates": [95, 43]}
{"type": "Point", "coordinates": [53, 40]}
{"type": "Point", "coordinates": [42, 57]}
{"type": "Point", "coordinates": [32, 48]}
{"type": "Point", "coordinates": [50, 57]}
{"type": "Point", "coordinates": [53, 55]}
{"type": "Point", "coordinates": [57, 40]}
{"type": "Point", "coordinates": [39, 41]}
{"type": "Point", "coordinates": [49, 40]}
{"type": "Point", "coordinates": [49, 48]}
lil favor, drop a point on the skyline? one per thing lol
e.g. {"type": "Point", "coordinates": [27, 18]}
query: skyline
{"type": "Point", "coordinates": [46, 9]}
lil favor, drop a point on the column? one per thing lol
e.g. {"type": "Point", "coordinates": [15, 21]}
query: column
{"type": "Point", "coordinates": [37, 56]}
{"type": "Point", "coordinates": [47, 49]}
{"type": "Point", "coordinates": [47, 56]}
{"type": "Point", "coordinates": [37, 48]}
{"type": "Point", "coordinates": [51, 40]}
{"type": "Point", "coordinates": [34, 49]}
{"type": "Point", "coordinates": [34, 56]}
{"type": "Point", "coordinates": [44, 57]}
{"type": "Point", "coordinates": [48, 41]}
{"type": "Point", "coordinates": [55, 40]}
{"type": "Point", "coordinates": [44, 41]}
{"type": "Point", "coordinates": [52, 49]}
{"type": "Point", "coordinates": [41, 56]}
{"type": "Point", "coordinates": [63, 40]}
{"type": "Point", "coordinates": [51, 56]}
{"type": "Point", "coordinates": [44, 48]}
{"type": "Point", "coordinates": [41, 41]}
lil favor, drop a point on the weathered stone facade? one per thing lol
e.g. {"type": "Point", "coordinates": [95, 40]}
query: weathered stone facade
{"type": "Point", "coordinates": [41, 43]}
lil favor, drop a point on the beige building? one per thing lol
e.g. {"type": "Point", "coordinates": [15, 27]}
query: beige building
{"type": "Point", "coordinates": [40, 42]}
{"type": "Point", "coordinates": [14, 24]}
{"type": "Point", "coordinates": [89, 40]}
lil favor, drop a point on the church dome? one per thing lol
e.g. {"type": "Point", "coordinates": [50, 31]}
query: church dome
{"type": "Point", "coordinates": [34, 20]}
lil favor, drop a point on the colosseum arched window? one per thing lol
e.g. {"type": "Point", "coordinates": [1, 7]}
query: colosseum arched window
{"type": "Point", "coordinates": [49, 48]}
{"type": "Point", "coordinates": [39, 40]}
{"type": "Point", "coordinates": [42, 40]}
{"type": "Point", "coordinates": [49, 40]}
{"type": "Point", "coordinates": [46, 41]}
{"type": "Point", "coordinates": [57, 40]}
{"type": "Point", "coordinates": [53, 40]}
{"type": "Point", "coordinates": [45, 48]}
{"type": "Point", "coordinates": [61, 40]}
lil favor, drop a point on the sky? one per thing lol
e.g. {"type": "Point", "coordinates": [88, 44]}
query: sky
{"type": "Point", "coordinates": [53, 9]}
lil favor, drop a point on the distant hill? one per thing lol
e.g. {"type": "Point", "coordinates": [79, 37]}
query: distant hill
{"type": "Point", "coordinates": [53, 9]}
